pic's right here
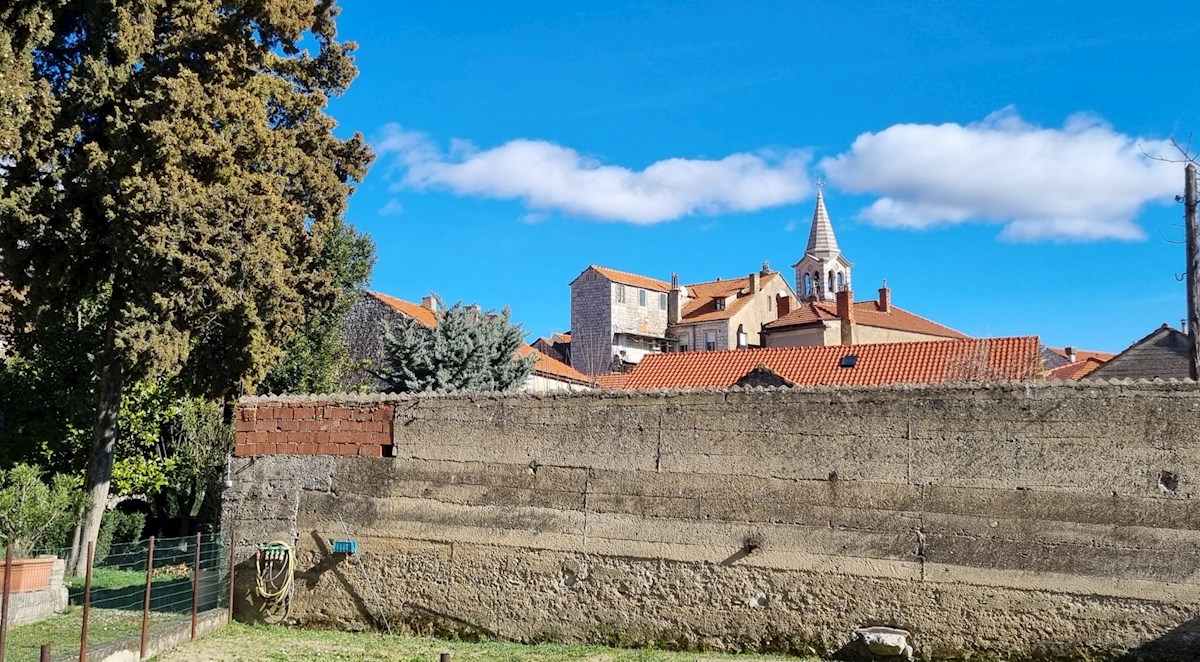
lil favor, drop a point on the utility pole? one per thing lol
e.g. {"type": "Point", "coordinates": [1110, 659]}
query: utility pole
{"type": "Point", "coordinates": [1193, 267]}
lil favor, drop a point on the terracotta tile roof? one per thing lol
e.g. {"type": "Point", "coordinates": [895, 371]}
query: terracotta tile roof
{"type": "Point", "coordinates": [866, 313]}
{"type": "Point", "coordinates": [416, 311]}
{"type": "Point", "coordinates": [703, 304]}
{"type": "Point", "coordinates": [550, 367]}
{"type": "Point", "coordinates": [561, 337]}
{"type": "Point", "coordinates": [632, 279]}
{"type": "Point", "coordinates": [989, 359]}
{"type": "Point", "coordinates": [613, 380]}
{"type": "Point", "coordinates": [1076, 370]}
{"type": "Point", "coordinates": [1083, 354]}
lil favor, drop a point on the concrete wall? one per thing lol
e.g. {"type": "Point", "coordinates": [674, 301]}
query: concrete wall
{"type": "Point", "coordinates": [999, 519]}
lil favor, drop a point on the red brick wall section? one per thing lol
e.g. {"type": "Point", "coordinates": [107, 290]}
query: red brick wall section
{"type": "Point", "coordinates": [314, 428]}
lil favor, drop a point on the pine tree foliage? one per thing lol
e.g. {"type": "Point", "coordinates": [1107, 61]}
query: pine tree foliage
{"type": "Point", "coordinates": [174, 165]}
{"type": "Point", "coordinates": [468, 350]}
{"type": "Point", "coordinates": [316, 359]}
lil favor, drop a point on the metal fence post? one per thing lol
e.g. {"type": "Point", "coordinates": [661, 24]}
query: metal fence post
{"type": "Point", "coordinates": [196, 587]}
{"type": "Point", "coordinates": [87, 601]}
{"type": "Point", "coordinates": [8, 573]}
{"type": "Point", "coordinates": [146, 602]}
{"type": "Point", "coordinates": [232, 569]}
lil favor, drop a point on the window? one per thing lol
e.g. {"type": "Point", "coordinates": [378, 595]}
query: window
{"type": "Point", "coordinates": [683, 348]}
{"type": "Point", "coordinates": [807, 285]}
{"type": "Point", "coordinates": [641, 297]}
{"type": "Point", "coordinates": [620, 293]}
{"type": "Point", "coordinates": [662, 300]}
{"type": "Point", "coordinates": [829, 283]}
{"type": "Point", "coordinates": [720, 303]}
{"type": "Point", "coordinates": [841, 285]}
{"type": "Point", "coordinates": [710, 340]}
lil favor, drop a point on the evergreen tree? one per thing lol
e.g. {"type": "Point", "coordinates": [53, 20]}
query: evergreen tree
{"type": "Point", "coordinates": [316, 358]}
{"type": "Point", "coordinates": [468, 350]}
{"type": "Point", "coordinates": [177, 169]}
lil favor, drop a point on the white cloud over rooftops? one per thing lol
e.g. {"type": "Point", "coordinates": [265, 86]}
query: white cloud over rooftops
{"type": "Point", "coordinates": [548, 177]}
{"type": "Point", "coordinates": [1083, 181]}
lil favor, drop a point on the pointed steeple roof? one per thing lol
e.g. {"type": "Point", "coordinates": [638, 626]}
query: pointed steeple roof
{"type": "Point", "coordinates": [820, 238]}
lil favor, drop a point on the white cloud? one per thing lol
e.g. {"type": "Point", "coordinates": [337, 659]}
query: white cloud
{"type": "Point", "coordinates": [391, 208]}
{"type": "Point", "coordinates": [552, 178]}
{"type": "Point", "coordinates": [1083, 181]}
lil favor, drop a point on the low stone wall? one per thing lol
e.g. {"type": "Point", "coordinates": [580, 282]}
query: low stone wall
{"type": "Point", "coordinates": [32, 606]}
{"type": "Point", "coordinates": [1006, 520]}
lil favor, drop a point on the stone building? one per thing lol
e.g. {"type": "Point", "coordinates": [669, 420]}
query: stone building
{"type": "Point", "coordinates": [616, 319]}
{"type": "Point", "coordinates": [726, 314]}
{"type": "Point", "coordinates": [1163, 354]}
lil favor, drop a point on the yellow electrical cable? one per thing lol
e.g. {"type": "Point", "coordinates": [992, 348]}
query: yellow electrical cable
{"type": "Point", "coordinates": [276, 593]}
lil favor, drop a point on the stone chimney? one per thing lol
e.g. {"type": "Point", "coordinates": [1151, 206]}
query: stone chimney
{"type": "Point", "coordinates": [885, 299]}
{"type": "Point", "coordinates": [676, 300]}
{"type": "Point", "coordinates": [1070, 352]}
{"type": "Point", "coordinates": [783, 305]}
{"type": "Point", "coordinates": [845, 313]}
{"type": "Point", "coordinates": [429, 303]}
{"type": "Point", "coordinates": [753, 283]}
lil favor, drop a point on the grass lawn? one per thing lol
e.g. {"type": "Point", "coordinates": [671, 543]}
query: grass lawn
{"type": "Point", "coordinates": [62, 631]}
{"type": "Point", "coordinates": [276, 643]}
{"type": "Point", "coordinates": [104, 578]}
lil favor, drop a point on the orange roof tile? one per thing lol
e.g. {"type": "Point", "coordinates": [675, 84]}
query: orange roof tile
{"type": "Point", "coordinates": [1076, 370]}
{"type": "Point", "coordinates": [548, 366]}
{"type": "Point", "coordinates": [612, 380]}
{"type": "Point", "coordinates": [423, 315]}
{"type": "Point", "coordinates": [988, 359]}
{"type": "Point", "coordinates": [866, 313]}
{"type": "Point", "coordinates": [561, 337]}
{"type": "Point", "coordinates": [1083, 354]}
{"type": "Point", "coordinates": [702, 306]}
{"type": "Point", "coordinates": [632, 279]}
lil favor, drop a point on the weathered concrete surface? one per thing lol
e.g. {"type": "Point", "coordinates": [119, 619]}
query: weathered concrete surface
{"type": "Point", "coordinates": [1008, 520]}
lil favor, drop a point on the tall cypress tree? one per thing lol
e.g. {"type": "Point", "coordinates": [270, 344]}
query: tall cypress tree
{"type": "Point", "coordinates": [176, 166]}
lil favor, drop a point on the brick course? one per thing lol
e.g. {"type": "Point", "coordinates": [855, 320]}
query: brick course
{"type": "Point", "coordinates": [314, 428]}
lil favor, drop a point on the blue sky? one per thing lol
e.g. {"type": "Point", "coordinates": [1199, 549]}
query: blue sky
{"type": "Point", "coordinates": [985, 158]}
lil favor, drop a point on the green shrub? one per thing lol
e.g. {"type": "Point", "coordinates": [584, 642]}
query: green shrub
{"type": "Point", "coordinates": [118, 528]}
{"type": "Point", "coordinates": [32, 512]}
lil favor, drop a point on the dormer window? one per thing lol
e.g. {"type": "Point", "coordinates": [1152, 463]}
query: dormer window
{"type": "Point", "coordinates": [720, 303]}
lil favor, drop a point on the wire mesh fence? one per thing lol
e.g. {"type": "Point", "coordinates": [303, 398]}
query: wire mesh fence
{"type": "Point", "coordinates": [128, 594]}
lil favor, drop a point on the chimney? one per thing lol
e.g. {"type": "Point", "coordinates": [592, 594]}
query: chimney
{"type": "Point", "coordinates": [845, 313]}
{"type": "Point", "coordinates": [885, 299]}
{"type": "Point", "coordinates": [783, 304]}
{"type": "Point", "coordinates": [676, 300]}
{"type": "Point", "coordinates": [429, 303]}
{"type": "Point", "coordinates": [1070, 351]}
{"type": "Point", "coordinates": [753, 283]}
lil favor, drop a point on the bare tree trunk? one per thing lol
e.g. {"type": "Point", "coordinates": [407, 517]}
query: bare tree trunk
{"type": "Point", "coordinates": [1193, 268]}
{"type": "Point", "coordinates": [100, 463]}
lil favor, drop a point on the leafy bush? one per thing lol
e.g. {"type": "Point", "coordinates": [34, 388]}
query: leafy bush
{"type": "Point", "coordinates": [32, 511]}
{"type": "Point", "coordinates": [117, 528]}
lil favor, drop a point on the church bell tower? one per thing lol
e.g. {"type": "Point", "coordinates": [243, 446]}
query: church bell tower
{"type": "Point", "coordinates": [823, 271]}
